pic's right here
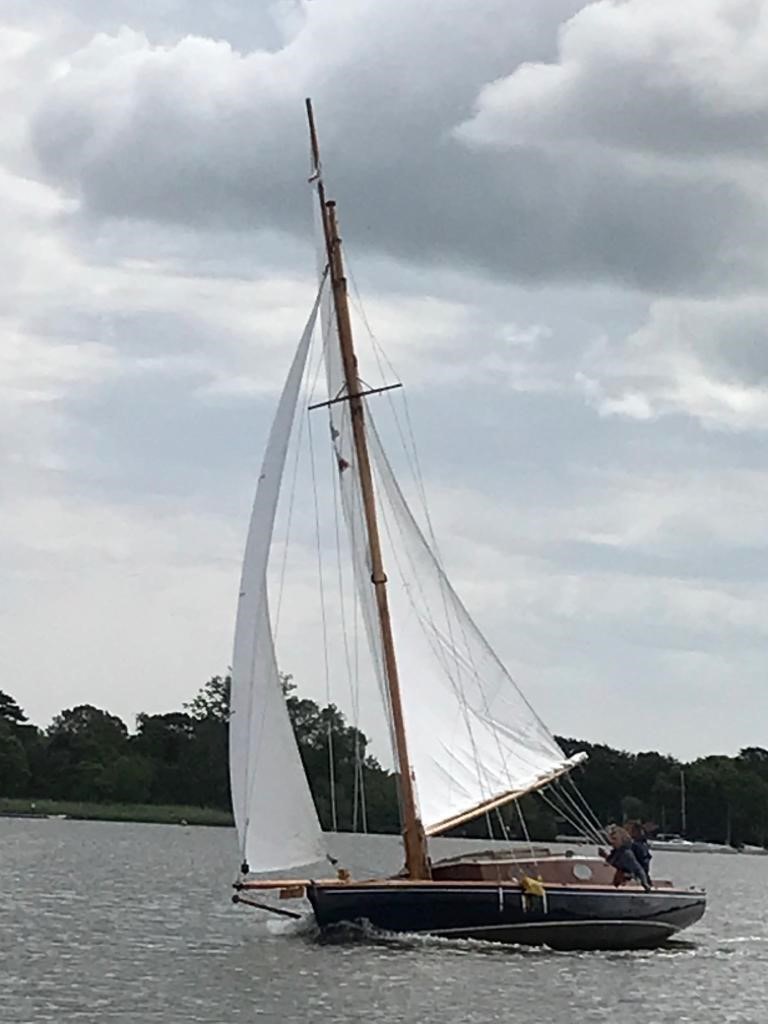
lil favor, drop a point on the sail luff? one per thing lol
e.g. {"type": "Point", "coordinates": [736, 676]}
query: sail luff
{"type": "Point", "coordinates": [269, 786]}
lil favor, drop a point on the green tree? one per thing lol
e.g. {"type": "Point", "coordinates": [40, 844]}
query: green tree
{"type": "Point", "coordinates": [14, 765]}
{"type": "Point", "coordinates": [10, 711]}
{"type": "Point", "coordinates": [325, 738]}
{"type": "Point", "coordinates": [212, 701]}
{"type": "Point", "coordinates": [633, 809]}
{"type": "Point", "coordinates": [81, 743]}
{"type": "Point", "coordinates": [127, 779]}
{"type": "Point", "coordinates": [167, 742]}
{"type": "Point", "coordinates": [204, 762]}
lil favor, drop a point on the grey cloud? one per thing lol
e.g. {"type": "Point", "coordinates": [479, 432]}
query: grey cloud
{"type": "Point", "coordinates": [197, 133]}
{"type": "Point", "coordinates": [252, 24]}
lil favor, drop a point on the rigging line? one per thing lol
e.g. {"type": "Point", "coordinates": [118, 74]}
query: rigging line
{"type": "Point", "coordinates": [405, 517]}
{"type": "Point", "coordinates": [358, 796]}
{"type": "Point", "coordinates": [340, 576]}
{"type": "Point", "coordinates": [392, 487]}
{"type": "Point", "coordinates": [482, 773]}
{"type": "Point", "coordinates": [411, 453]}
{"type": "Point", "coordinates": [381, 357]}
{"type": "Point", "coordinates": [563, 814]}
{"type": "Point", "coordinates": [590, 811]}
{"type": "Point", "coordinates": [588, 826]}
{"type": "Point", "coordinates": [340, 417]}
{"type": "Point", "coordinates": [590, 818]}
{"type": "Point", "coordinates": [462, 612]}
{"type": "Point", "coordinates": [587, 810]}
{"type": "Point", "coordinates": [569, 806]}
{"type": "Point", "coordinates": [445, 591]}
{"type": "Point", "coordinates": [562, 810]}
{"type": "Point", "coordinates": [576, 821]}
{"type": "Point", "coordinates": [433, 552]}
{"type": "Point", "coordinates": [343, 617]}
{"type": "Point", "coordinates": [378, 650]}
{"type": "Point", "coordinates": [356, 638]}
{"type": "Point", "coordinates": [524, 827]}
{"type": "Point", "coordinates": [412, 459]}
{"type": "Point", "coordinates": [331, 759]}
{"type": "Point", "coordinates": [502, 823]}
{"type": "Point", "coordinates": [458, 656]}
{"type": "Point", "coordinates": [357, 297]}
{"type": "Point", "coordinates": [352, 503]}
{"type": "Point", "coordinates": [314, 378]}
{"type": "Point", "coordinates": [437, 643]}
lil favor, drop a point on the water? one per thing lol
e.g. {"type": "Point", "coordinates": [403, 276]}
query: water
{"type": "Point", "coordinates": [111, 923]}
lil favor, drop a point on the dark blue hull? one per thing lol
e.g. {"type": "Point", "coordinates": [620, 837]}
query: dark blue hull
{"type": "Point", "coordinates": [568, 917]}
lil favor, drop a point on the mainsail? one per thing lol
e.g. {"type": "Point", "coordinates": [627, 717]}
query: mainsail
{"type": "Point", "coordinates": [473, 739]}
{"type": "Point", "coordinates": [276, 820]}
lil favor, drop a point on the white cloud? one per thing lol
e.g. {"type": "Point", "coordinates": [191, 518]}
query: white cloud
{"type": "Point", "coordinates": [681, 80]}
{"type": "Point", "coordinates": [703, 359]}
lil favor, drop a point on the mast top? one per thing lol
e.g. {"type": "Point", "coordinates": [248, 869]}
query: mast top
{"type": "Point", "coordinates": [313, 136]}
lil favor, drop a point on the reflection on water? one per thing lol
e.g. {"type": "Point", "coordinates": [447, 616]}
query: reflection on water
{"type": "Point", "coordinates": [133, 923]}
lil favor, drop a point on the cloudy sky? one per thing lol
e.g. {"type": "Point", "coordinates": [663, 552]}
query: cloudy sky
{"type": "Point", "coordinates": [556, 215]}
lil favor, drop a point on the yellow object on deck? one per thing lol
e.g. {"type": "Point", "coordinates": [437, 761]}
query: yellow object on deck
{"type": "Point", "coordinates": [532, 886]}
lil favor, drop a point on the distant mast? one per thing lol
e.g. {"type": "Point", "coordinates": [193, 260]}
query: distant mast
{"type": "Point", "coordinates": [416, 857]}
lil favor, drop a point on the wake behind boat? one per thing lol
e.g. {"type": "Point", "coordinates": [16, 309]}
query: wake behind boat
{"type": "Point", "coordinates": [463, 733]}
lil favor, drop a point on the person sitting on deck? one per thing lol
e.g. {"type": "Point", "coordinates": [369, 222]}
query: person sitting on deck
{"type": "Point", "coordinates": [623, 859]}
{"type": "Point", "coordinates": [640, 846]}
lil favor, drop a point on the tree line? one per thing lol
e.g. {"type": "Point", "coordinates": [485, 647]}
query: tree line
{"type": "Point", "coordinates": [88, 755]}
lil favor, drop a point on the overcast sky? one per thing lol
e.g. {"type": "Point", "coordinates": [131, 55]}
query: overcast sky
{"type": "Point", "coordinates": [556, 215]}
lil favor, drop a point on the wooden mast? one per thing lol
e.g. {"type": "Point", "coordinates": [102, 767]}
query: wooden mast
{"type": "Point", "coordinates": [416, 858]}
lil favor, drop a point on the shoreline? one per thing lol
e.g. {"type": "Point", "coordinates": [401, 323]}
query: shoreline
{"type": "Point", "coordinates": [141, 814]}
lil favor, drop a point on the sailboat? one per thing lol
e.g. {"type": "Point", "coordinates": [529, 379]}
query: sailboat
{"type": "Point", "coordinates": [465, 739]}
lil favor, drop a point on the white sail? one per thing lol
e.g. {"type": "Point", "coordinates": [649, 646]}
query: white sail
{"type": "Point", "coordinates": [276, 819]}
{"type": "Point", "coordinates": [351, 499]}
{"type": "Point", "coordinates": [474, 741]}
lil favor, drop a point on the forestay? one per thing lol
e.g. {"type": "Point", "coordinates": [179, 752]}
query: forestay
{"type": "Point", "coordinates": [276, 820]}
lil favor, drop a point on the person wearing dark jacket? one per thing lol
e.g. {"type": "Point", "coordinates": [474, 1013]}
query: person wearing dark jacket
{"type": "Point", "coordinates": [640, 847]}
{"type": "Point", "coordinates": [622, 858]}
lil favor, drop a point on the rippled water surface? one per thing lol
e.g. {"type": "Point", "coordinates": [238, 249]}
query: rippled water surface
{"type": "Point", "coordinates": [133, 923]}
